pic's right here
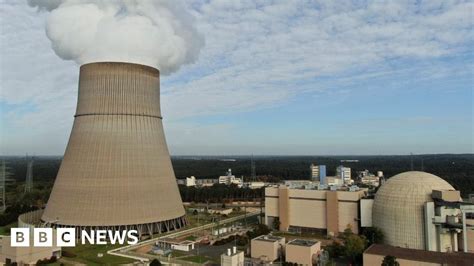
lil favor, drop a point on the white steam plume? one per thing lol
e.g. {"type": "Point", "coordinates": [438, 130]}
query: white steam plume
{"type": "Point", "coordinates": [159, 33]}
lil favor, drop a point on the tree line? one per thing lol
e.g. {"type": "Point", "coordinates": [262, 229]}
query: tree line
{"type": "Point", "coordinates": [219, 193]}
{"type": "Point", "coordinates": [457, 169]}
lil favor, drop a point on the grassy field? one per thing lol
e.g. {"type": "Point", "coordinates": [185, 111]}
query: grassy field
{"type": "Point", "coordinates": [87, 254]}
{"type": "Point", "coordinates": [5, 230]}
{"type": "Point", "coordinates": [205, 218]}
{"type": "Point", "coordinates": [300, 235]}
{"type": "Point", "coordinates": [290, 236]}
{"type": "Point", "coordinates": [197, 259]}
{"type": "Point", "coordinates": [178, 253]}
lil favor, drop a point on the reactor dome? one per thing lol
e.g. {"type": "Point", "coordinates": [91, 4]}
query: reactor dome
{"type": "Point", "coordinates": [398, 207]}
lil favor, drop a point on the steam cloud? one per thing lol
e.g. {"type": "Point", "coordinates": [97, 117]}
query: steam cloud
{"type": "Point", "coordinates": [158, 33]}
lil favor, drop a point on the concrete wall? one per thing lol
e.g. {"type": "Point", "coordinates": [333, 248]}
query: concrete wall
{"type": "Point", "coordinates": [366, 212]}
{"type": "Point", "coordinates": [332, 213]}
{"type": "Point", "coordinates": [348, 213]}
{"type": "Point", "coordinates": [271, 207]}
{"type": "Point", "coordinates": [470, 236]}
{"type": "Point", "coordinates": [283, 205]}
{"type": "Point", "coordinates": [267, 250]}
{"type": "Point", "coordinates": [302, 255]}
{"type": "Point", "coordinates": [26, 255]}
{"type": "Point", "coordinates": [236, 259]}
{"type": "Point", "coordinates": [371, 260]}
{"type": "Point", "coordinates": [308, 213]}
{"type": "Point", "coordinates": [319, 209]}
{"type": "Point", "coordinates": [447, 195]}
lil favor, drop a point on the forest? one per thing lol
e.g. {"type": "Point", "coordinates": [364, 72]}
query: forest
{"type": "Point", "coordinates": [220, 193]}
{"type": "Point", "coordinates": [457, 169]}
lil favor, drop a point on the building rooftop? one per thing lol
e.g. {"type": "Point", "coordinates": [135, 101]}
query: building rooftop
{"type": "Point", "coordinates": [233, 254]}
{"type": "Point", "coordinates": [268, 238]}
{"type": "Point", "coordinates": [302, 242]}
{"type": "Point", "coordinates": [444, 258]}
{"type": "Point", "coordinates": [174, 241]}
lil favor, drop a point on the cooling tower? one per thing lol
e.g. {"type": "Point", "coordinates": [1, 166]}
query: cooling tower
{"type": "Point", "coordinates": [116, 172]}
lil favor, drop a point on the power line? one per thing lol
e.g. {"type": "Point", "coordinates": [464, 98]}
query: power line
{"type": "Point", "coordinates": [29, 174]}
{"type": "Point", "coordinates": [253, 175]}
{"type": "Point", "coordinates": [3, 177]}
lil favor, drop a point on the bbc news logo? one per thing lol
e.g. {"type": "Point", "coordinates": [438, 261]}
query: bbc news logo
{"type": "Point", "coordinates": [66, 237]}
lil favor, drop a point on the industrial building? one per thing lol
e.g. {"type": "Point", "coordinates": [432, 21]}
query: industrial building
{"type": "Point", "coordinates": [344, 173]}
{"type": "Point", "coordinates": [418, 210]}
{"type": "Point", "coordinates": [230, 179]}
{"type": "Point", "coordinates": [415, 210]}
{"type": "Point", "coordinates": [255, 185]}
{"type": "Point", "coordinates": [190, 181]}
{"type": "Point", "coordinates": [116, 172]}
{"type": "Point", "coordinates": [267, 248]}
{"type": "Point", "coordinates": [313, 209]}
{"type": "Point", "coordinates": [175, 244]}
{"type": "Point", "coordinates": [233, 257]}
{"type": "Point", "coordinates": [206, 182]}
{"type": "Point", "coordinates": [369, 179]}
{"type": "Point", "coordinates": [375, 254]}
{"type": "Point", "coordinates": [31, 254]}
{"type": "Point", "coordinates": [302, 251]}
{"type": "Point", "coordinates": [318, 173]}
{"type": "Point", "coordinates": [25, 255]}
{"type": "Point", "coordinates": [221, 211]}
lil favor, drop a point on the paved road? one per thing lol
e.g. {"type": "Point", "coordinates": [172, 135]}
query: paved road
{"type": "Point", "coordinates": [122, 250]}
{"type": "Point", "coordinates": [230, 205]}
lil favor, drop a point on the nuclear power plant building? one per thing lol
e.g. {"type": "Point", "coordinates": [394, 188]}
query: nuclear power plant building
{"type": "Point", "coordinates": [414, 210]}
{"type": "Point", "coordinates": [418, 210]}
{"type": "Point", "coordinates": [116, 172]}
{"type": "Point", "coordinates": [312, 209]}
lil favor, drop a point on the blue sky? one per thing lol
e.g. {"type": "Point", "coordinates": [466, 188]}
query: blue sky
{"type": "Point", "coordinates": [274, 77]}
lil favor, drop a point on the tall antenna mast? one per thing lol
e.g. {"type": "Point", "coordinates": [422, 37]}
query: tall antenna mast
{"type": "Point", "coordinates": [3, 177]}
{"type": "Point", "coordinates": [29, 174]}
{"type": "Point", "coordinates": [252, 169]}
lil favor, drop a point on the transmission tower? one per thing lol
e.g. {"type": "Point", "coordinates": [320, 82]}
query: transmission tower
{"type": "Point", "coordinates": [252, 170]}
{"type": "Point", "coordinates": [29, 174]}
{"type": "Point", "coordinates": [3, 177]}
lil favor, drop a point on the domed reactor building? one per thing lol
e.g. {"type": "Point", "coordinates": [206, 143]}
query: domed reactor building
{"type": "Point", "coordinates": [116, 172]}
{"type": "Point", "coordinates": [418, 210]}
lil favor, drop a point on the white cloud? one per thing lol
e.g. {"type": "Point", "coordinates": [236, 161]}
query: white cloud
{"type": "Point", "coordinates": [258, 54]}
{"type": "Point", "coordinates": [158, 33]}
{"type": "Point", "coordinates": [259, 50]}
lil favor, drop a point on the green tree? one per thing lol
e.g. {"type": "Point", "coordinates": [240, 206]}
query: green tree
{"type": "Point", "coordinates": [373, 235]}
{"type": "Point", "coordinates": [276, 223]}
{"type": "Point", "coordinates": [335, 249]}
{"type": "Point", "coordinates": [390, 260]}
{"type": "Point", "coordinates": [354, 246]}
{"type": "Point", "coordinates": [347, 232]}
{"type": "Point", "coordinates": [259, 230]}
{"type": "Point", "coordinates": [155, 262]}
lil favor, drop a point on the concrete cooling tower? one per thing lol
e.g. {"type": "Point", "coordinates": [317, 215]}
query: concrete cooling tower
{"type": "Point", "coordinates": [116, 172]}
